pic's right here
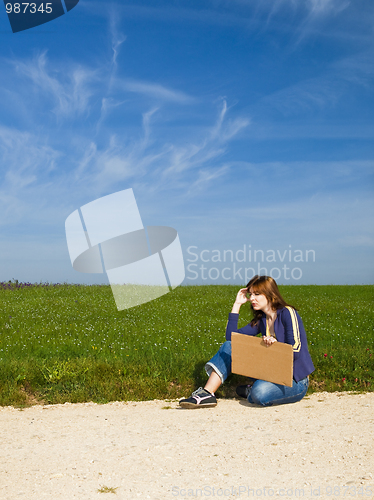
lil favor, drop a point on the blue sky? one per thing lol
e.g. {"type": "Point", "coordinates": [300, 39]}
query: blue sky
{"type": "Point", "coordinates": [243, 124]}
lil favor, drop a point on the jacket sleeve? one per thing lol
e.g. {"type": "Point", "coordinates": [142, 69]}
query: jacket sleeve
{"type": "Point", "coordinates": [292, 330]}
{"type": "Point", "coordinates": [232, 326]}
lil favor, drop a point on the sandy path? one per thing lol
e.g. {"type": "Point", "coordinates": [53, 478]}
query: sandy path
{"type": "Point", "coordinates": [321, 447]}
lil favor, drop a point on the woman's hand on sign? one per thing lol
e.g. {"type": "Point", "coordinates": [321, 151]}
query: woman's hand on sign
{"type": "Point", "coordinates": [268, 340]}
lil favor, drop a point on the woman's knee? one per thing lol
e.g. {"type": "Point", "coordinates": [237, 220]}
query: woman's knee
{"type": "Point", "coordinates": [266, 394]}
{"type": "Point", "coordinates": [259, 396]}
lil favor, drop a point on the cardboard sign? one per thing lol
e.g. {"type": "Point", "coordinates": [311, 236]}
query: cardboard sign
{"type": "Point", "coordinates": [252, 358]}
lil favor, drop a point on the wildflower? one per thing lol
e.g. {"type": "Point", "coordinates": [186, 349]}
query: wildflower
{"type": "Point", "coordinates": [330, 357]}
{"type": "Point", "coordinates": [343, 379]}
{"type": "Point", "coordinates": [325, 355]}
{"type": "Point", "coordinates": [356, 379]}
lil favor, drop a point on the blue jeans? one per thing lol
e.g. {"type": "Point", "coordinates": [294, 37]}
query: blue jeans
{"type": "Point", "coordinates": [262, 393]}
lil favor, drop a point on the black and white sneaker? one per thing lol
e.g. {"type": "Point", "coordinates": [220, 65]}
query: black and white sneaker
{"type": "Point", "coordinates": [200, 398]}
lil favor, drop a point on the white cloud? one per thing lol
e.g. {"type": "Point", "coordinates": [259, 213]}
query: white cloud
{"type": "Point", "coordinates": [357, 69]}
{"type": "Point", "coordinates": [27, 163]}
{"type": "Point", "coordinates": [306, 8]}
{"type": "Point", "coordinates": [154, 90]}
{"type": "Point", "coordinates": [156, 165]}
{"type": "Point", "coordinates": [65, 163]}
{"type": "Point", "coordinates": [207, 150]}
{"type": "Point", "coordinates": [117, 37]}
{"type": "Point", "coordinates": [70, 88]}
{"type": "Point", "coordinates": [326, 90]}
{"type": "Point", "coordinates": [324, 7]}
{"type": "Point", "coordinates": [205, 177]}
{"type": "Point", "coordinates": [23, 156]}
{"type": "Point", "coordinates": [306, 96]}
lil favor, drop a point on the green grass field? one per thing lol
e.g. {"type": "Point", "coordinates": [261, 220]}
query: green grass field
{"type": "Point", "coordinates": [62, 343]}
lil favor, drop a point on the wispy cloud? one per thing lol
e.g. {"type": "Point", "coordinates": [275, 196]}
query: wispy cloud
{"type": "Point", "coordinates": [317, 13]}
{"type": "Point", "coordinates": [206, 151]}
{"type": "Point", "coordinates": [307, 9]}
{"type": "Point", "coordinates": [205, 177]}
{"type": "Point", "coordinates": [24, 156]}
{"type": "Point", "coordinates": [122, 84]}
{"type": "Point", "coordinates": [70, 89]}
{"type": "Point", "coordinates": [325, 90]}
{"type": "Point", "coordinates": [117, 37]}
{"type": "Point", "coordinates": [306, 96]}
{"type": "Point", "coordinates": [357, 69]}
{"type": "Point", "coordinates": [28, 163]}
{"type": "Point", "coordinates": [326, 7]}
{"type": "Point", "coordinates": [249, 14]}
{"type": "Point", "coordinates": [98, 158]}
{"type": "Point", "coordinates": [312, 215]}
{"type": "Point", "coordinates": [155, 90]}
{"type": "Point", "coordinates": [161, 165]}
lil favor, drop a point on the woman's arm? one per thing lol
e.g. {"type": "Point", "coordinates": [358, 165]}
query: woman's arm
{"type": "Point", "coordinates": [241, 298]}
{"type": "Point", "coordinates": [232, 324]}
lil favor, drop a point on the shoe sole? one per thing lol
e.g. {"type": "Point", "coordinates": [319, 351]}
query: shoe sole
{"type": "Point", "coordinates": [193, 405]}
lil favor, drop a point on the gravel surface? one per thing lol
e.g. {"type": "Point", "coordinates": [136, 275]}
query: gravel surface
{"type": "Point", "coordinates": [321, 447]}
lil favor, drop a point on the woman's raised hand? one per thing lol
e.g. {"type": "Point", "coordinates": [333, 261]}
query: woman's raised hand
{"type": "Point", "coordinates": [241, 299]}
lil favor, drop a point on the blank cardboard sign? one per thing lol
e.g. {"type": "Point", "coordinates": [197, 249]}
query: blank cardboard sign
{"type": "Point", "coordinates": [252, 358]}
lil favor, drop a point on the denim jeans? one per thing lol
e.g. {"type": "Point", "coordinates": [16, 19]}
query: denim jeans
{"type": "Point", "coordinates": [262, 393]}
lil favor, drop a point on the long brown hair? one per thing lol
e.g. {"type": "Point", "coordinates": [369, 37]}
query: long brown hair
{"type": "Point", "coordinates": [267, 286]}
